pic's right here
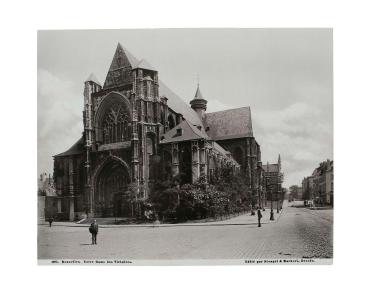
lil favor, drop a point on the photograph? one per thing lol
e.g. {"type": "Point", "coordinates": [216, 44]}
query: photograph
{"type": "Point", "coordinates": [192, 146]}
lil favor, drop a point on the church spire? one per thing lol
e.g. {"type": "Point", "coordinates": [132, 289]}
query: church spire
{"type": "Point", "coordinates": [199, 104]}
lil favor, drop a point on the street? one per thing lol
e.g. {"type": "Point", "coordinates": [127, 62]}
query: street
{"type": "Point", "coordinates": [296, 233]}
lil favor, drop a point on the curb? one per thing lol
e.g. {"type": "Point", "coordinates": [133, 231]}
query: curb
{"type": "Point", "coordinates": [166, 225]}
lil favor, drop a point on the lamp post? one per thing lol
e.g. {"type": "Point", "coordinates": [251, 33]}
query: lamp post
{"type": "Point", "coordinates": [272, 209]}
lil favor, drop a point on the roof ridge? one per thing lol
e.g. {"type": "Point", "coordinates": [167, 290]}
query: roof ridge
{"type": "Point", "coordinates": [231, 109]}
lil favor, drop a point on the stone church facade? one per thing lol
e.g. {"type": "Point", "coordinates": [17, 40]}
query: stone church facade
{"type": "Point", "coordinates": [137, 131]}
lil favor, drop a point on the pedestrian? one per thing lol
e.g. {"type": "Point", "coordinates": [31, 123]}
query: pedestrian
{"type": "Point", "coordinates": [259, 214]}
{"type": "Point", "coordinates": [94, 227]}
{"type": "Point", "coordinates": [50, 220]}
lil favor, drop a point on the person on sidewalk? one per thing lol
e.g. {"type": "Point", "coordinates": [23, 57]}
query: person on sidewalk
{"type": "Point", "coordinates": [50, 220]}
{"type": "Point", "coordinates": [94, 227]}
{"type": "Point", "coordinates": [259, 215]}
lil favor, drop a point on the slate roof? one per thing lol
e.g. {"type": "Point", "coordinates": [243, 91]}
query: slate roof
{"type": "Point", "coordinates": [229, 124]}
{"type": "Point", "coordinates": [178, 105]}
{"type": "Point", "coordinates": [144, 64]}
{"type": "Point", "coordinates": [189, 132]}
{"type": "Point", "coordinates": [76, 148]}
{"type": "Point", "coordinates": [271, 168]}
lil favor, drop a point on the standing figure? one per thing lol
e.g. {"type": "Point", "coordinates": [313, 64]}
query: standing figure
{"type": "Point", "coordinates": [259, 214]}
{"type": "Point", "coordinates": [94, 227]}
{"type": "Point", "coordinates": [50, 220]}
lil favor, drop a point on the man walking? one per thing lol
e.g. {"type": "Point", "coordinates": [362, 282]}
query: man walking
{"type": "Point", "coordinates": [94, 227]}
{"type": "Point", "coordinates": [259, 214]}
{"type": "Point", "coordinates": [50, 220]}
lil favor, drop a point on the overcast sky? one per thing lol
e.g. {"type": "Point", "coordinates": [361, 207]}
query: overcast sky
{"type": "Point", "coordinates": [284, 75]}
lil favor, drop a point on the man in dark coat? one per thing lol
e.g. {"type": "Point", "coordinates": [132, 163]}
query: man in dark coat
{"type": "Point", "coordinates": [94, 227]}
{"type": "Point", "coordinates": [50, 220]}
{"type": "Point", "coordinates": [259, 215]}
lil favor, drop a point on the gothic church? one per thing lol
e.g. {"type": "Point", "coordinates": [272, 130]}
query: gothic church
{"type": "Point", "coordinates": [137, 131]}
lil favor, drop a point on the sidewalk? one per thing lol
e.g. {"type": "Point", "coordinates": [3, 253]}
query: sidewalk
{"type": "Point", "coordinates": [244, 219]}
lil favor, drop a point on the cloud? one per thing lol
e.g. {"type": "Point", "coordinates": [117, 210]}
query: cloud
{"type": "Point", "coordinates": [59, 121]}
{"type": "Point", "coordinates": [215, 105]}
{"type": "Point", "coordinates": [300, 133]}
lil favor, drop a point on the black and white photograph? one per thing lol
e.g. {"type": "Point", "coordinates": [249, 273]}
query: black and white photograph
{"type": "Point", "coordinates": [185, 146]}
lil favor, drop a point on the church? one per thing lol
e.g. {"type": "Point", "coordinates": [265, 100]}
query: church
{"type": "Point", "coordinates": [138, 131]}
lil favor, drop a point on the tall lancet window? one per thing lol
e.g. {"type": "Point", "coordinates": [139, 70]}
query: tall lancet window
{"type": "Point", "coordinates": [115, 125]}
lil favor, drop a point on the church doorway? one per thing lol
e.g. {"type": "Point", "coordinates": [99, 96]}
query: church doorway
{"type": "Point", "coordinates": [111, 191]}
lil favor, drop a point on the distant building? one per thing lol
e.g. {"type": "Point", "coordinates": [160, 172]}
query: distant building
{"type": "Point", "coordinates": [320, 185]}
{"type": "Point", "coordinates": [45, 193]}
{"type": "Point", "coordinates": [307, 188]}
{"type": "Point", "coordinates": [273, 178]}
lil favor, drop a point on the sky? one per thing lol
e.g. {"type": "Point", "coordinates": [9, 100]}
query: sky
{"type": "Point", "coordinates": [284, 75]}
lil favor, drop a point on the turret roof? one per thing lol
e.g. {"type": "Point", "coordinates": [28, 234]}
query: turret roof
{"type": "Point", "coordinates": [92, 78]}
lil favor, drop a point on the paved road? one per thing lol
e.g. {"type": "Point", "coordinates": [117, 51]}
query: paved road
{"type": "Point", "coordinates": [297, 233]}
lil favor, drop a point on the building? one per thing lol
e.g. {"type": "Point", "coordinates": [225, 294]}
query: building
{"type": "Point", "coordinates": [47, 201]}
{"type": "Point", "coordinates": [273, 177]}
{"type": "Point", "coordinates": [137, 131]}
{"type": "Point", "coordinates": [326, 182]}
{"type": "Point", "coordinates": [307, 188]}
{"type": "Point", "coordinates": [320, 185]}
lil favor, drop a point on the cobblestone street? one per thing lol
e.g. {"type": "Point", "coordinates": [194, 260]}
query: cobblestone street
{"type": "Point", "coordinates": [296, 233]}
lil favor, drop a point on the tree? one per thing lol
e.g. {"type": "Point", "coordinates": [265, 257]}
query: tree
{"type": "Point", "coordinates": [293, 191]}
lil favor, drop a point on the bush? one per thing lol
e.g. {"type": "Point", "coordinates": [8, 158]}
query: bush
{"type": "Point", "coordinates": [201, 200]}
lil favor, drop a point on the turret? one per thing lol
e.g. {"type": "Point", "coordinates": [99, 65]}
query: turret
{"type": "Point", "coordinates": [198, 104]}
{"type": "Point", "coordinates": [92, 85]}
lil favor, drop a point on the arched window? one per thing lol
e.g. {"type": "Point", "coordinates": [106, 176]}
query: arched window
{"type": "Point", "coordinates": [149, 146]}
{"type": "Point", "coordinates": [115, 125]}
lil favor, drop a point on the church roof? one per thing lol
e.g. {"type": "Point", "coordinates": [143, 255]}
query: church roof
{"type": "Point", "coordinates": [76, 148]}
{"type": "Point", "coordinates": [123, 60]}
{"type": "Point", "coordinates": [271, 168]}
{"type": "Point", "coordinates": [178, 105]}
{"type": "Point", "coordinates": [122, 57]}
{"type": "Point", "coordinates": [229, 124]}
{"type": "Point", "coordinates": [144, 64]}
{"type": "Point", "coordinates": [188, 132]}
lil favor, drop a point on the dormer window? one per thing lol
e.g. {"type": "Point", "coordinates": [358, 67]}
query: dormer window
{"type": "Point", "coordinates": [179, 131]}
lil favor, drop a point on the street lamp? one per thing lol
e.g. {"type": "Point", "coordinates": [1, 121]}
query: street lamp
{"type": "Point", "coordinates": [272, 209]}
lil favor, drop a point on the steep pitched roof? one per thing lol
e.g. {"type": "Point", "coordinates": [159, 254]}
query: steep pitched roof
{"type": "Point", "coordinates": [144, 64]}
{"type": "Point", "coordinates": [229, 124]}
{"type": "Point", "coordinates": [189, 132]}
{"type": "Point", "coordinates": [271, 168]}
{"type": "Point", "coordinates": [123, 61]}
{"type": "Point", "coordinates": [178, 105]}
{"type": "Point", "coordinates": [76, 148]}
